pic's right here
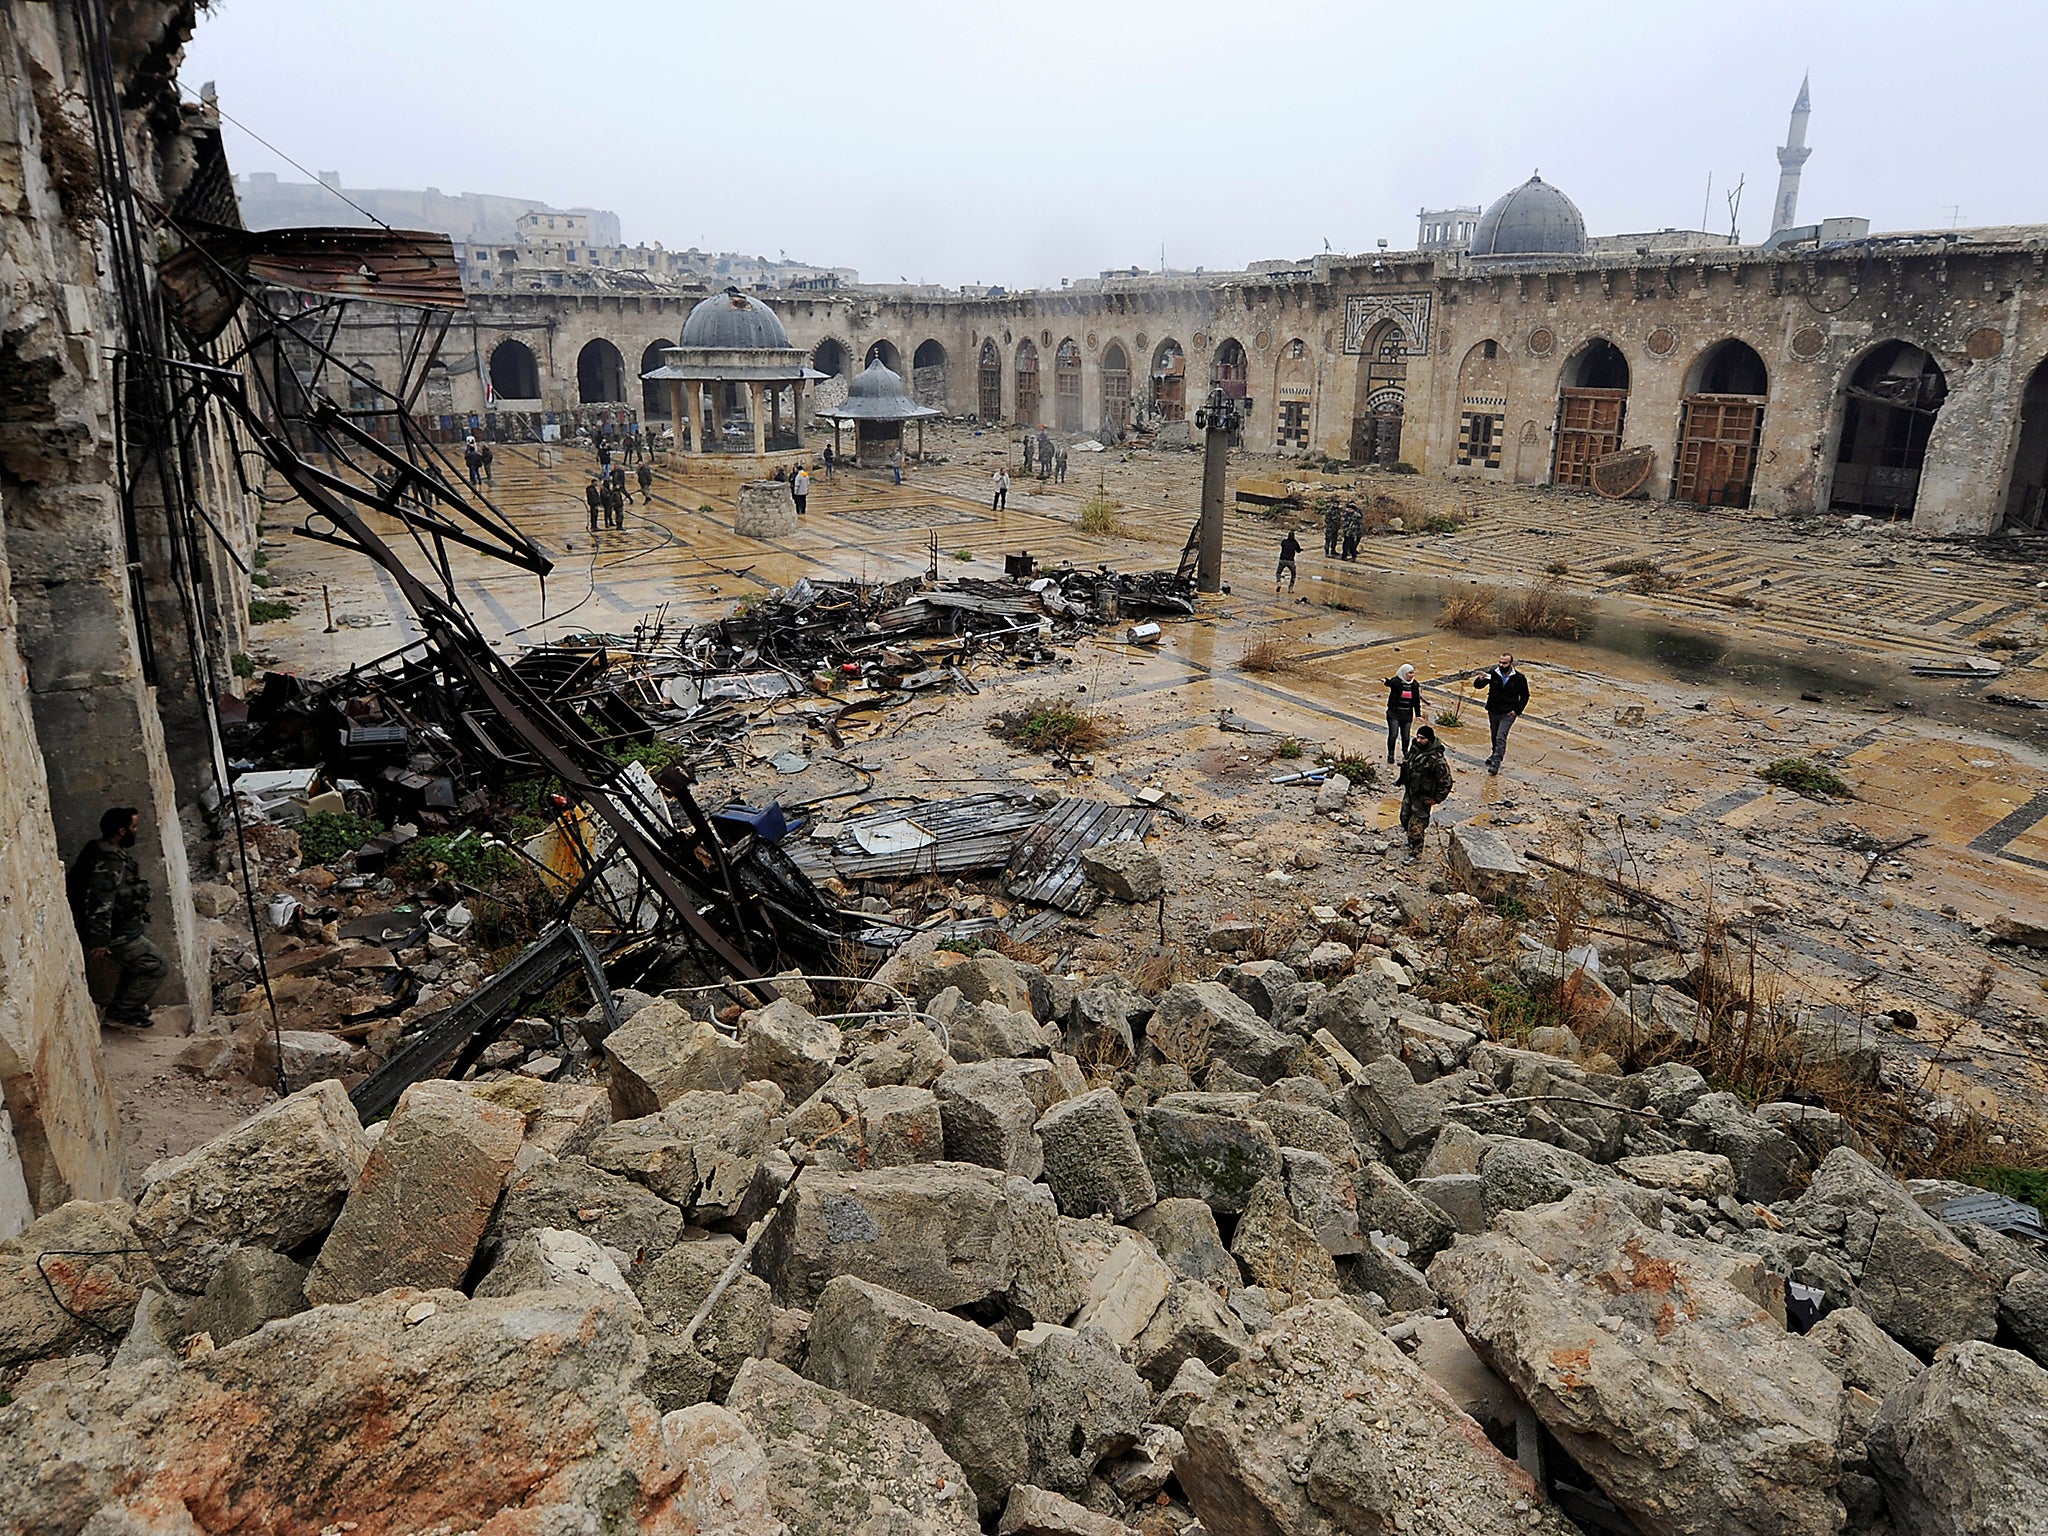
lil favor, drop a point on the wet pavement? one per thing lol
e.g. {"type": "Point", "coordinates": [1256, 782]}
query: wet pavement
{"type": "Point", "coordinates": [1673, 800]}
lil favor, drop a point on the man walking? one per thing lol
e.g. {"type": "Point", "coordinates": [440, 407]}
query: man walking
{"type": "Point", "coordinates": [1027, 455]}
{"type": "Point", "coordinates": [1507, 695]}
{"type": "Point", "coordinates": [474, 462]}
{"type": "Point", "coordinates": [1333, 523]}
{"type": "Point", "coordinates": [1289, 548]}
{"type": "Point", "coordinates": [1059, 461]}
{"type": "Point", "coordinates": [645, 475]}
{"type": "Point", "coordinates": [483, 453]}
{"type": "Point", "coordinates": [615, 497]}
{"type": "Point", "coordinates": [800, 489]}
{"type": "Point", "coordinates": [1354, 530]}
{"type": "Point", "coordinates": [1001, 500]}
{"type": "Point", "coordinates": [110, 902]}
{"type": "Point", "coordinates": [1425, 781]}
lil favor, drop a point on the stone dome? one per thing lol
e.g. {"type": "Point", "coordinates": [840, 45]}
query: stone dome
{"type": "Point", "coordinates": [731, 321]}
{"type": "Point", "coordinates": [877, 381]}
{"type": "Point", "coordinates": [877, 393]}
{"type": "Point", "coordinates": [1533, 220]}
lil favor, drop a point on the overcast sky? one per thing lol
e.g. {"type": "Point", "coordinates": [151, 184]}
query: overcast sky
{"type": "Point", "coordinates": [961, 141]}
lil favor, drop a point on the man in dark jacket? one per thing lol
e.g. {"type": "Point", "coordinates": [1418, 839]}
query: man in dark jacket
{"type": "Point", "coordinates": [594, 494]}
{"type": "Point", "coordinates": [1507, 695]}
{"type": "Point", "coordinates": [1286, 570]}
{"type": "Point", "coordinates": [1425, 781]}
{"type": "Point", "coordinates": [110, 903]}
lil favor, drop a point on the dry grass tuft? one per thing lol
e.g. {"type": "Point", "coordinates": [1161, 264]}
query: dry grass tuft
{"type": "Point", "coordinates": [1542, 610]}
{"type": "Point", "coordinates": [1471, 612]}
{"type": "Point", "coordinates": [1099, 515]}
{"type": "Point", "coordinates": [1267, 655]}
{"type": "Point", "coordinates": [1052, 725]}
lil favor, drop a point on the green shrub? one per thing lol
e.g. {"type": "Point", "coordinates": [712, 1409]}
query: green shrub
{"type": "Point", "coordinates": [1440, 524]}
{"type": "Point", "coordinates": [1403, 467]}
{"type": "Point", "coordinates": [1362, 772]}
{"type": "Point", "coordinates": [330, 835]}
{"type": "Point", "coordinates": [1051, 725]}
{"type": "Point", "coordinates": [465, 856]}
{"type": "Point", "coordinates": [963, 554]}
{"type": "Point", "coordinates": [1803, 776]}
{"type": "Point", "coordinates": [1098, 515]}
{"type": "Point", "coordinates": [243, 663]}
{"type": "Point", "coordinates": [1290, 749]}
{"type": "Point", "coordinates": [263, 610]}
{"type": "Point", "coordinates": [651, 755]}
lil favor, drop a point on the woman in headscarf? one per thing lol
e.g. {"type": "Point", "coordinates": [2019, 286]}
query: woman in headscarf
{"type": "Point", "coordinates": [1404, 707]}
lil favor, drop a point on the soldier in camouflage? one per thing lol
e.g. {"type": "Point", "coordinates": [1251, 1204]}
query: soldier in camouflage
{"type": "Point", "coordinates": [110, 902]}
{"type": "Point", "coordinates": [1425, 781]}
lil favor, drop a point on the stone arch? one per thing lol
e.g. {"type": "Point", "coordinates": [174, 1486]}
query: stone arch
{"type": "Point", "coordinates": [1294, 394]}
{"type": "Point", "coordinates": [1027, 382]}
{"type": "Point", "coordinates": [653, 392]}
{"type": "Point", "coordinates": [928, 373]}
{"type": "Point", "coordinates": [1169, 392]}
{"type": "Point", "coordinates": [829, 358]}
{"type": "Point", "coordinates": [515, 371]}
{"type": "Point", "coordinates": [2026, 501]}
{"type": "Point", "coordinates": [1483, 393]}
{"type": "Point", "coordinates": [1381, 395]}
{"type": "Point", "coordinates": [1885, 409]}
{"type": "Point", "coordinates": [1720, 424]}
{"type": "Point", "coordinates": [1230, 370]}
{"type": "Point", "coordinates": [988, 400]}
{"type": "Point", "coordinates": [1116, 388]}
{"type": "Point", "coordinates": [600, 373]}
{"type": "Point", "coordinates": [1592, 410]}
{"type": "Point", "coordinates": [886, 354]}
{"type": "Point", "coordinates": [1066, 385]}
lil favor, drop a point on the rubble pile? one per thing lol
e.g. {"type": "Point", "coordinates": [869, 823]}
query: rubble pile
{"type": "Point", "coordinates": [1001, 1249]}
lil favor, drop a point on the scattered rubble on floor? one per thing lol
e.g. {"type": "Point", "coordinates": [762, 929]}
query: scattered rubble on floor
{"type": "Point", "coordinates": [974, 1244]}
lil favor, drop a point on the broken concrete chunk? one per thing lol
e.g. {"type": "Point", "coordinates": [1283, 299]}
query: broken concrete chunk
{"type": "Point", "coordinates": [1183, 1232]}
{"type": "Point", "coordinates": [1917, 1281]}
{"type": "Point", "coordinates": [1483, 865]}
{"type": "Point", "coordinates": [1087, 1403]}
{"type": "Point", "coordinates": [575, 1195]}
{"type": "Point", "coordinates": [545, 1258]}
{"type": "Point", "coordinates": [1123, 871]}
{"type": "Point", "coordinates": [1404, 1112]}
{"type": "Point", "coordinates": [2023, 1309]}
{"type": "Point", "coordinates": [1196, 1021]}
{"type": "Point", "coordinates": [837, 1465]}
{"type": "Point", "coordinates": [895, 1353]}
{"type": "Point", "coordinates": [661, 1054]}
{"type": "Point", "coordinates": [1040, 1512]}
{"type": "Point", "coordinates": [988, 1110]}
{"type": "Point", "coordinates": [1092, 1162]}
{"type": "Point", "coordinates": [671, 1291]}
{"type": "Point", "coordinates": [1099, 1025]}
{"type": "Point", "coordinates": [1695, 1412]}
{"type": "Point", "coordinates": [1962, 1450]}
{"type": "Point", "coordinates": [1193, 1385]}
{"type": "Point", "coordinates": [253, 1287]}
{"type": "Point", "coordinates": [700, 1153]}
{"type": "Point", "coordinates": [1124, 1291]}
{"type": "Point", "coordinates": [1460, 1196]}
{"type": "Point", "coordinates": [1276, 1250]}
{"type": "Point", "coordinates": [1698, 1175]}
{"type": "Point", "coordinates": [418, 1212]}
{"type": "Point", "coordinates": [1330, 1429]}
{"type": "Point", "coordinates": [948, 1234]}
{"type": "Point", "coordinates": [1311, 1129]}
{"type": "Point", "coordinates": [1191, 1324]}
{"type": "Point", "coordinates": [70, 1278]}
{"type": "Point", "coordinates": [1387, 1205]}
{"type": "Point", "coordinates": [275, 1181]}
{"type": "Point", "coordinates": [991, 1032]}
{"type": "Point", "coordinates": [724, 1489]}
{"type": "Point", "coordinates": [1766, 1161]}
{"type": "Point", "coordinates": [900, 1126]}
{"type": "Point", "coordinates": [785, 1045]}
{"type": "Point", "coordinates": [1201, 1147]}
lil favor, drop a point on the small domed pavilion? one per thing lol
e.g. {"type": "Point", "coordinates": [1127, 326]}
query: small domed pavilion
{"type": "Point", "coordinates": [877, 404]}
{"type": "Point", "coordinates": [736, 359]}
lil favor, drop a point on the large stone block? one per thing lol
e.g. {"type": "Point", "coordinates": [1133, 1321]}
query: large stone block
{"type": "Point", "coordinates": [1087, 1404]}
{"type": "Point", "coordinates": [661, 1053]}
{"type": "Point", "coordinates": [1206, 1147]}
{"type": "Point", "coordinates": [72, 1277]}
{"type": "Point", "coordinates": [1191, 1324]}
{"type": "Point", "coordinates": [275, 1181]}
{"type": "Point", "coordinates": [1197, 1022]}
{"type": "Point", "coordinates": [1402, 1111]}
{"type": "Point", "coordinates": [700, 1153]}
{"type": "Point", "coordinates": [837, 1466]}
{"type": "Point", "coordinates": [990, 1109]}
{"type": "Point", "coordinates": [1688, 1403]}
{"type": "Point", "coordinates": [948, 1234]}
{"type": "Point", "coordinates": [419, 1209]}
{"type": "Point", "coordinates": [1962, 1450]}
{"type": "Point", "coordinates": [575, 1195]}
{"type": "Point", "coordinates": [953, 1376]}
{"type": "Point", "coordinates": [1124, 871]}
{"type": "Point", "coordinates": [785, 1045]}
{"type": "Point", "coordinates": [1184, 1233]}
{"type": "Point", "coordinates": [253, 1287]}
{"type": "Point", "coordinates": [1092, 1161]}
{"type": "Point", "coordinates": [1330, 1429]}
{"type": "Point", "coordinates": [766, 510]}
{"type": "Point", "coordinates": [1124, 1290]}
{"type": "Point", "coordinates": [1483, 864]}
{"type": "Point", "coordinates": [672, 1290]}
{"type": "Point", "coordinates": [546, 1258]}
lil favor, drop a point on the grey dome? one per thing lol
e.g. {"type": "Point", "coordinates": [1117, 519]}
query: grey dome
{"type": "Point", "coordinates": [731, 320]}
{"type": "Point", "coordinates": [877, 393]}
{"type": "Point", "coordinates": [1533, 220]}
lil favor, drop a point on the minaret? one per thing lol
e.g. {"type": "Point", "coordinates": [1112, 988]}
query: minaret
{"type": "Point", "coordinates": [1791, 156]}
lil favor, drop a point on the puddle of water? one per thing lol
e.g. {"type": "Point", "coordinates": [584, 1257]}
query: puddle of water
{"type": "Point", "coordinates": [1760, 666]}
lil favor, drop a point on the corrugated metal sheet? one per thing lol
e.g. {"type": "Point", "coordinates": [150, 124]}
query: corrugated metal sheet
{"type": "Point", "coordinates": [413, 267]}
{"type": "Point", "coordinates": [1046, 867]}
{"type": "Point", "coordinates": [974, 832]}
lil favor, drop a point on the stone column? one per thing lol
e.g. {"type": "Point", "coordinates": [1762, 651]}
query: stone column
{"type": "Point", "coordinates": [797, 393]}
{"type": "Point", "coordinates": [757, 418]}
{"type": "Point", "coordinates": [675, 410]}
{"type": "Point", "coordinates": [695, 389]}
{"type": "Point", "coordinates": [774, 411]}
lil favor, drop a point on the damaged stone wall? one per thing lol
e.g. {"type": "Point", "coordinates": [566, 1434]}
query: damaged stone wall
{"type": "Point", "coordinates": [82, 697]}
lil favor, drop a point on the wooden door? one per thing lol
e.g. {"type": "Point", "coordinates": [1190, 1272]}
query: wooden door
{"type": "Point", "coordinates": [991, 392]}
{"type": "Point", "coordinates": [1588, 428]}
{"type": "Point", "coordinates": [1717, 449]}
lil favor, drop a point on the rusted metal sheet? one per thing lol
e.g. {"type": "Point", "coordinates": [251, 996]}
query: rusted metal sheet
{"type": "Point", "coordinates": [206, 281]}
{"type": "Point", "coordinates": [1046, 867]}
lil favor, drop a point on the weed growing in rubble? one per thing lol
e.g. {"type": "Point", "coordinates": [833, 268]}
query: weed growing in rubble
{"type": "Point", "coordinates": [243, 663]}
{"type": "Point", "coordinates": [1289, 749]}
{"type": "Point", "coordinates": [463, 858]}
{"type": "Point", "coordinates": [1440, 524]}
{"type": "Point", "coordinates": [1470, 612]}
{"type": "Point", "coordinates": [1361, 771]}
{"type": "Point", "coordinates": [963, 554]}
{"type": "Point", "coordinates": [651, 755]}
{"type": "Point", "coordinates": [1450, 719]}
{"type": "Point", "coordinates": [1098, 515]}
{"type": "Point", "coordinates": [263, 610]}
{"type": "Point", "coordinates": [1267, 655]}
{"type": "Point", "coordinates": [328, 835]}
{"type": "Point", "coordinates": [1634, 565]}
{"type": "Point", "coordinates": [1815, 780]}
{"type": "Point", "coordinates": [1557, 568]}
{"type": "Point", "coordinates": [1051, 725]}
{"type": "Point", "coordinates": [1542, 610]}
{"type": "Point", "coordinates": [1652, 583]}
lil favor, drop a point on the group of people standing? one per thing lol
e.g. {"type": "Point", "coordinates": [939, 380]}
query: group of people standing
{"type": "Point", "coordinates": [1425, 777]}
{"type": "Point", "coordinates": [1049, 459]}
{"type": "Point", "coordinates": [476, 458]}
{"type": "Point", "coordinates": [1343, 524]}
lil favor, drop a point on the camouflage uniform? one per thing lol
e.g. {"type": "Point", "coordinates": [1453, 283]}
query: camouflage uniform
{"type": "Point", "coordinates": [113, 912]}
{"type": "Point", "coordinates": [1333, 525]}
{"type": "Point", "coordinates": [1426, 782]}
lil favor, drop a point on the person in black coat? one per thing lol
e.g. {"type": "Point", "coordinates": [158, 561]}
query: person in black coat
{"type": "Point", "coordinates": [1507, 695]}
{"type": "Point", "coordinates": [1404, 707]}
